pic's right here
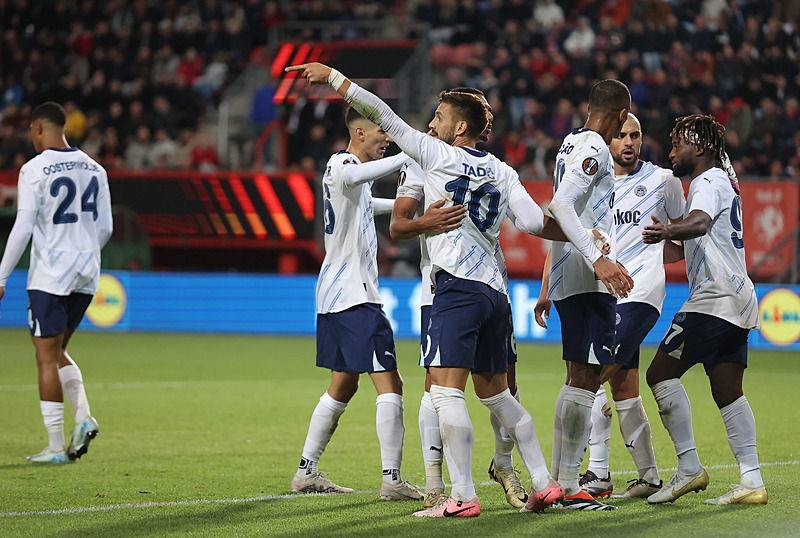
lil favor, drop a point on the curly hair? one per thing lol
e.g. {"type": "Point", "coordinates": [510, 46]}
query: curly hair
{"type": "Point", "coordinates": [703, 131]}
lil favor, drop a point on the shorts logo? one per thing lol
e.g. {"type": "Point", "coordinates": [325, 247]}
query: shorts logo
{"type": "Point", "coordinates": [590, 166]}
{"type": "Point", "coordinates": [680, 316]}
{"type": "Point", "coordinates": [619, 319]}
{"type": "Point", "coordinates": [401, 178]}
{"type": "Point", "coordinates": [640, 191]}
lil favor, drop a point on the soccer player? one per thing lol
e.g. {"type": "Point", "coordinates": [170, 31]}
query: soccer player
{"type": "Point", "coordinates": [641, 189]}
{"type": "Point", "coordinates": [63, 203]}
{"type": "Point", "coordinates": [438, 219]}
{"type": "Point", "coordinates": [583, 281]}
{"type": "Point", "coordinates": [470, 308]}
{"type": "Point", "coordinates": [353, 334]}
{"type": "Point", "coordinates": [713, 324]}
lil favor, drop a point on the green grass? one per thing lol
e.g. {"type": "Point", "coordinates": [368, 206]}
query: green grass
{"type": "Point", "coordinates": [201, 435]}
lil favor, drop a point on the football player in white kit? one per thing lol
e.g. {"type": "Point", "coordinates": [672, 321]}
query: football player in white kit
{"type": "Point", "coordinates": [641, 189]}
{"type": "Point", "coordinates": [470, 309]}
{"type": "Point", "coordinates": [713, 324]}
{"type": "Point", "coordinates": [406, 224]}
{"type": "Point", "coordinates": [63, 203]}
{"type": "Point", "coordinates": [583, 282]}
{"type": "Point", "coordinates": [353, 334]}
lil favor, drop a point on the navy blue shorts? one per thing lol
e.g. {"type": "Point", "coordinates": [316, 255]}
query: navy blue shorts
{"type": "Point", "coordinates": [587, 327]}
{"type": "Point", "coordinates": [51, 315]}
{"type": "Point", "coordinates": [469, 326]}
{"type": "Point", "coordinates": [634, 322]}
{"type": "Point", "coordinates": [356, 340]}
{"type": "Point", "coordinates": [512, 340]}
{"type": "Point", "coordinates": [701, 338]}
{"type": "Point", "coordinates": [424, 327]}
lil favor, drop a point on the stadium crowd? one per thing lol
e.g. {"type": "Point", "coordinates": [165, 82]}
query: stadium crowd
{"type": "Point", "coordinates": [136, 76]}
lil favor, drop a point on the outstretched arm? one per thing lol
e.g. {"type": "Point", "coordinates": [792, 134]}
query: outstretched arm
{"type": "Point", "coordinates": [411, 141]}
{"type": "Point", "coordinates": [372, 170]}
{"type": "Point", "coordinates": [695, 225]}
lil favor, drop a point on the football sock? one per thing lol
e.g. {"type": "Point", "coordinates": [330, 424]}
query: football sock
{"type": "Point", "coordinates": [600, 436]}
{"type": "Point", "coordinates": [556, 455]}
{"type": "Point", "coordinates": [53, 418]}
{"type": "Point", "coordinates": [431, 439]}
{"type": "Point", "coordinates": [72, 386]}
{"type": "Point", "coordinates": [390, 428]}
{"type": "Point", "coordinates": [503, 444]}
{"type": "Point", "coordinates": [576, 423]}
{"type": "Point", "coordinates": [458, 439]}
{"type": "Point", "coordinates": [741, 426]}
{"type": "Point", "coordinates": [519, 425]}
{"type": "Point", "coordinates": [503, 433]}
{"type": "Point", "coordinates": [676, 415]}
{"type": "Point", "coordinates": [323, 423]}
{"type": "Point", "coordinates": [636, 433]}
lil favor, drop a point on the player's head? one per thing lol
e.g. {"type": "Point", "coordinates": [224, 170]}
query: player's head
{"type": "Point", "coordinates": [696, 139]}
{"type": "Point", "coordinates": [610, 99]}
{"type": "Point", "coordinates": [484, 136]}
{"type": "Point", "coordinates": [47, 119]}
{"type": "Point", "coordinates": [366, 138]}
{"type": "Point", "coordinates": [627, 144]}
{"type": "Point", "coordinates": [459, 114]}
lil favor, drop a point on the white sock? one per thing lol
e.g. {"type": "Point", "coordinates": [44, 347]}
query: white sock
{"type": "Point", "coordinates": [432, 451]}
{"type": "Point", "coordinates": [323, 423]}
{"type": "Point", "coordinates": [503, 443]}
{"type": "Point", "coordinates": [519, 425]}
{"type": "Point", "coordinates": [458, 439]}
{"type": "Point", "coordinates": [676, 415]}
{"type": "Point", "coordinates": [391, 431]}
{"type": "Point", "coordinates": [741, 426]}
{"type": "Point", "coordinates": [555, 458]}
{"type": "Point", "coordinates": [576, 423]}
{"type": "Point", "coordinates": [53, 418]}
{"type": "Point", "coordinates": [600, 436]}
{"type": "Point", "coordinates": [635, 429]}
{"type": "Point", "coordinates": [72, 386]}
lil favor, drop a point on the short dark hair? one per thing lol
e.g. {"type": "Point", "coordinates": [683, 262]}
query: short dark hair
{"type": "Point", "coordinates": [472, 91]}
{"type": "Point", "coordinates": [50, 112]}
{"type": "Point", "coordinates": [610, 96]}
{"type": "Point", "coordinates": [470, 108]}
{"type": "Point", "coordinates": [351, 115]}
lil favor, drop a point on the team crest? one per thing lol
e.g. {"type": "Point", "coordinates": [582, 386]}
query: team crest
{"type": "Point", "coordinates": [401, 178]}
{"type": "Point", "coordinates": [619, 319]}
{"type": "Point", "coordinates": [640, 191]}
{"type": "Point", "coordinates": [680, 316]}
{"type": "Point", "coordinates": [590, 166]}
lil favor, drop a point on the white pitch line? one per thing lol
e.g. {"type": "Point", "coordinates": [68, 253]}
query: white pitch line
{"type": "Point", "coordinates": [83, 510]}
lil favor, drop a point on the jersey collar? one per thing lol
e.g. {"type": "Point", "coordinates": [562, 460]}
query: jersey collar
{"type": "Point", "coordinates": [65, 150]}
{"type": "Point", "coordinates": [474, 152]}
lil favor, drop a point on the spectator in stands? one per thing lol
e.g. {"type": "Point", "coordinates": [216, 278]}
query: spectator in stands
{"type": "Point", "coordinates": [204, 156]}
{"type": "Point", "coordinates": [137, 151]}
{"type": "Point", "coordinates": [164, 151]}
{"type": "Point", "coordinates": [213, 76]}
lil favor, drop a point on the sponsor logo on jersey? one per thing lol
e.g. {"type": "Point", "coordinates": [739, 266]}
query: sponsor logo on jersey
{"type": "Point", "coordinates": [627, 217]}
{"type": "Point", "coordinates": [640, 190]}
{"type": "Point", "coordinates": [590, 165]}
{"type": "Point", "coordinates": [109, 303]}
{"type": "Point", "coordinates": [401, 178]}
{"type": "Point", "coordinates": [779, 312]}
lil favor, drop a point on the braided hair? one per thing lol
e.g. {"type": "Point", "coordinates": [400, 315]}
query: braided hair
{"type": "Point", "coordinates": [704, 132]}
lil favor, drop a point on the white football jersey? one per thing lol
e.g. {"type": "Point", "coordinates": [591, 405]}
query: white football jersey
{"type": "Point", "coordinates": [585, 161]}
{"type": "Point", "coordinates": [411, 184]}
{"type": "Point", "coordinates": [69, 192]}
{"type": "Point", "coordinates": [349, 273]}
{"type": "Point", "coordinates": [648, 191]}
{"type": "Point", "coordinates": [715, 262]}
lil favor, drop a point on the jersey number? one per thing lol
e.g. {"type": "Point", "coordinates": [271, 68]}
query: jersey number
{"type": "Point", "coordinates": [327, 212]}
{"type": "Point", "coordinates": [736, 222]}
{"type": "Point", "coordinates": [460, 187]}
{"type": "Point", "coordinates": [88, 199]}
{"type": "Point", "coordinates": [670, 335]}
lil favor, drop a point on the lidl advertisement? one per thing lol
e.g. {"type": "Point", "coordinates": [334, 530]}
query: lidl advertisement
{"type": "Point", "coordinates": [277, 304]}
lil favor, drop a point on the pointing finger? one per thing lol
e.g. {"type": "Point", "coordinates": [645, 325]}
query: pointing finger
{"type": "Point", "coordinates": [295, 68]}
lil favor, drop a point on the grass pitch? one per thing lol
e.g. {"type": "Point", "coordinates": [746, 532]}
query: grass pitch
{"type": "Point", "coordinates": [201, 435]}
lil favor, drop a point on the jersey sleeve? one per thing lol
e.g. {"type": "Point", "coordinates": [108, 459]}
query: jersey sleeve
{"type": "Point", "coordinates": [411, 181]}
{"type": "Point", "coordinates": [525, 213]}
{"type": "Point", "coordinates": [585, 164]}
{"type": "Point", "coordinates": [674, 201]}
{"type": "Point", "coordinates": [27, 190]}
{"type": "Point", "coordinates": [704, 198]}
{"type": "Point", "coordinates": [105, 219]}
{"type": "Point", "coordinates": [417, 145]}
{"type": "Point", "coordinates": [372, 170]}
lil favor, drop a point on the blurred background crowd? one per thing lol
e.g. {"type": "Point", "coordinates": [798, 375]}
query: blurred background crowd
{"type": "Point", "coordinates": [138, 77]}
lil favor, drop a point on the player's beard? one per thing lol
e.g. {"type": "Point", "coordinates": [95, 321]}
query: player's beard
{"type": "Point", "coordinates": [448, 137]}
{"type": "Point", "coordinates": [681, 168]}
